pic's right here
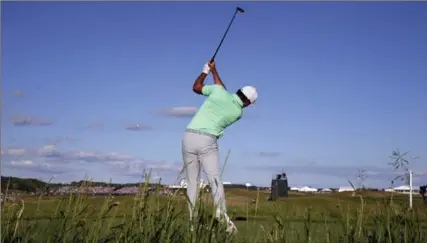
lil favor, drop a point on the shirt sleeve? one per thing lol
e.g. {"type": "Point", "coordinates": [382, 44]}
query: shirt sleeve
{"type": "Point", "coordinates": [209, 89]}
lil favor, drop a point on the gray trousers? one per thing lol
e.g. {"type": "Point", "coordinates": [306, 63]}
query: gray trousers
{"type": "Point", "coordinates": [201, 151]}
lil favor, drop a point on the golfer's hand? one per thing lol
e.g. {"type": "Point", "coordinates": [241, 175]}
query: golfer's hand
{"type": "Point", "coordinates": [212, 65]}
{"type": "Point", "coordinates": [206, 69]}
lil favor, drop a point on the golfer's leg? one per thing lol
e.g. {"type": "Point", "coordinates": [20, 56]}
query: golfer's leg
{"type": "Point", "coordinates": [192, 170]}
{"type": "Point", "coordinates": [209, 159]}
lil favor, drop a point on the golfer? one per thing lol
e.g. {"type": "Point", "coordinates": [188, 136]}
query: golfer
{"type": "Point", "coordinates": [199, 145]}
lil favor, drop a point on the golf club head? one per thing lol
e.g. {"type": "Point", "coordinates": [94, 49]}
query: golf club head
{"type": "Point", "coordinates": [240, 10]}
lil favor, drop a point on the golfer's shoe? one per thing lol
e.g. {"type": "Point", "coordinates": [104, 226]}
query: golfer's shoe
{"type": "Point", "coordinates": [231, 228]}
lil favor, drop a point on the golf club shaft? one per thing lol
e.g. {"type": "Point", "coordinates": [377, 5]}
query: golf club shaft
{"type": "Point", "coordinates": [219, 46]}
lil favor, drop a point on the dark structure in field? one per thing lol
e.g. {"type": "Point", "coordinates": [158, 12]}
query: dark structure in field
{"type": "Point", "coordinates": [279, 187]}
{"type": "Point", "coordinates": [423, 192]}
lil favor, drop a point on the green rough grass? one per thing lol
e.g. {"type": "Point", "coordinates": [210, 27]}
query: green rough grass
{"type": "Point", "coordinates": [339, 217]}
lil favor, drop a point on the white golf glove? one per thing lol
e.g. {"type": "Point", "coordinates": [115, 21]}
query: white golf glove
{"type": "Point", "coordinates": [206, 69]}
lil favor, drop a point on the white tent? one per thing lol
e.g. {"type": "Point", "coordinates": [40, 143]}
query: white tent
{"type": "Point", "coordinates": [406, 189]}
{"type": "Point", "coordinates": [307, 189]}
{"type": "Point", "coordinates": [346, 189]}
{"type": "Point", "coordinates": [326, 190]}
{"type": "Point", "coordinates": [402, 188]}
{"type": "Point", "coordinates": [183, 184]}
{"type": "Point", "coordinates": [203, 183]}
{"type": "Point", "coordinates": [294, 188]}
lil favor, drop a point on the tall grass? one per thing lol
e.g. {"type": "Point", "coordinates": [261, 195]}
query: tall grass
{"type": "Point", "coordinates": [152, 217]}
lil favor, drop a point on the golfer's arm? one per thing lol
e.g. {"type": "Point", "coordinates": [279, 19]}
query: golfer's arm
{"type": "Point", "coordinates": [199, 83]}
{"type": "Point", "coordinates": [217, 79]}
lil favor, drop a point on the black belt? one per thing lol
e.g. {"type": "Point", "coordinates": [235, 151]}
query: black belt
{"type": "Point", "coordinates": [201, 133]}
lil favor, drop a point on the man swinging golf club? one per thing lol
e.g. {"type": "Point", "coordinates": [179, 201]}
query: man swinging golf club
{"type": "Point", "coordinates": [199, 145]}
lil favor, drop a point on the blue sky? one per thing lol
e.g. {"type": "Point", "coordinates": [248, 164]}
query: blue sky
{"type": "Point", "coordinates": [341, 84]}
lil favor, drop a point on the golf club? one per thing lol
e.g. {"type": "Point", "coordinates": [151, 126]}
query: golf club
{"type": "Point", "coordinates": [238, 10]}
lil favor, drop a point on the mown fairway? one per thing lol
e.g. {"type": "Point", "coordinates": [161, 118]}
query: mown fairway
{"type": "Point", "coordinates": [366, 217]}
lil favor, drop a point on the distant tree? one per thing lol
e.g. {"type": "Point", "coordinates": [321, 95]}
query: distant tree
{"type": "Point", "coordinates": [22, 184]}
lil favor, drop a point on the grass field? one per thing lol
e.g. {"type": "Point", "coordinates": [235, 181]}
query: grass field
{"type": "Point", "coordinates": [336, 217]}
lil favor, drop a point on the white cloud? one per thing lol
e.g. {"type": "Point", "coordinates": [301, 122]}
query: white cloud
{"type": "Point", "coordinates": [182, 111]}
{"type": "Point", "coordinates": [49, 159]}
{"type": "Point", "coordinates": [30, 165]}
{"type": "Point", "coordinates": [21, 163]}
{"type": "Point", "coordinates": [13, 152]}
{"type": "Point", "coordinates": [21, 120]}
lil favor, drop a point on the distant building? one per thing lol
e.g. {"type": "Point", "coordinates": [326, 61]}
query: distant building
{"type": "Point", "coordinates": [279, 186]}
{"type": "Point", "coordinates": [346, 189]}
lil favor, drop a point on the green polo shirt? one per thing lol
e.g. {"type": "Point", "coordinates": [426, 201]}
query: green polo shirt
{"type": "Point", "coordinates": [221, 109]}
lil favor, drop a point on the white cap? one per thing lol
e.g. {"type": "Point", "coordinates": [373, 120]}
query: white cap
{"type": "Point", "coordinates": [250, 93]}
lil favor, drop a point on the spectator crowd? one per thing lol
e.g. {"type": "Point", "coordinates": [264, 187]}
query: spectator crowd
{"type": "Point", "coordinates": [101, 190]}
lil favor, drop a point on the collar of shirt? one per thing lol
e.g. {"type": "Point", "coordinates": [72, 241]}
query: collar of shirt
{"type": "Point", "coordinates": [237, 98]}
